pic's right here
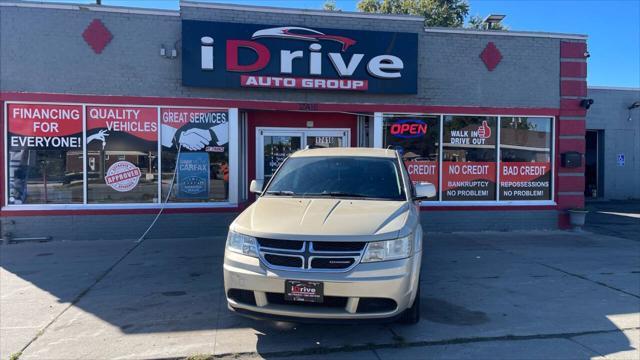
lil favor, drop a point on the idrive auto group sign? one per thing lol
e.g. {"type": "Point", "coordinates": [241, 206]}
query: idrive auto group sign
{"type": "Point", "coordinates": [230, 55]}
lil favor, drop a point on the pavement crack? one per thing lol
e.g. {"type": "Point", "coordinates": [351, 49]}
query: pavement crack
{"type": "Point", "coordinates": [376, 354]}
{"type": "Point", "coordinates": [395, 345]}
{"type": "Point", "coordinates": [578, 276]}
{"type": "Point", "coordinates": [587, 279]}
{"type": "Point", "coordinates": [79, 297]}
{"type": "Point", "coordinates": [586, 347]}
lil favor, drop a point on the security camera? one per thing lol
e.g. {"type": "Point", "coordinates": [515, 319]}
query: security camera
{"type": "Point", "coordinates": [586, 103]}
{"type": "Point", "coordinates": [586, 54]}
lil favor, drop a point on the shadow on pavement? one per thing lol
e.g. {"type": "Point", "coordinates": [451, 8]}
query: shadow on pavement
{"type": "Point", "coordinates": [614, 218]}
{"type": "Point", "coordinates": [562, 293]}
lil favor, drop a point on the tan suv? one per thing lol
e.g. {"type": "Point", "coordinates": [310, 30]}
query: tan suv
{"type": "Point", "coordinates": [335, 235]}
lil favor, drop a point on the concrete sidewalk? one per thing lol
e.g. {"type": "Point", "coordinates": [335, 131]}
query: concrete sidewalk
{"type": "Point", "coordinates": [488, 295]}
{"type": "Point", "coordinates": [620, 218]}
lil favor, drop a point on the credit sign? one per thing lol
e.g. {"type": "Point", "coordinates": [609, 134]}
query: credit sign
{"type": "Point", "coordinates": [231, 55]}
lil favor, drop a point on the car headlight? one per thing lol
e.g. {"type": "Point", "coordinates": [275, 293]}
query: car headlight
{"type": "Point", "coordinates": [242, 244]}
{"type": "Point", "coordinates": [388, 250]}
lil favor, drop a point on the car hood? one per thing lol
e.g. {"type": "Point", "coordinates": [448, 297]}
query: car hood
{"type": "Point", "coordinates": [329, 219]}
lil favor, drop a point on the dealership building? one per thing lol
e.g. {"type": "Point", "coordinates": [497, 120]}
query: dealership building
{"type": "Point", "coordinates": [111, 112]}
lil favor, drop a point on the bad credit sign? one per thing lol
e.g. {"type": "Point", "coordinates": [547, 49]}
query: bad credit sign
{"type": "Point", "coordinates": [230, 55]}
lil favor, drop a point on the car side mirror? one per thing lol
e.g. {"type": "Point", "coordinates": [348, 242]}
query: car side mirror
{"type": "Point", "coordinates": [424, 190]}
{"type": "Point", "coordinates": [256, 186]}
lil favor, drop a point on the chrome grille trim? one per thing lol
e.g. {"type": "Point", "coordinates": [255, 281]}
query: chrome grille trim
{"type": "Point", "coordinates": [307, 254]}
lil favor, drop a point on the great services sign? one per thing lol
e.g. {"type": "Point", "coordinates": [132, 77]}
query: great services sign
{"type": "Point", "coordinates": [230, 55]}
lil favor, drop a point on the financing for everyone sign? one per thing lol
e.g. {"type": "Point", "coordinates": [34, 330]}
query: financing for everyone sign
{"type": "Point", "coordinates": [44, 126]}
{"type": "Point", "coordinates": [231, 55]}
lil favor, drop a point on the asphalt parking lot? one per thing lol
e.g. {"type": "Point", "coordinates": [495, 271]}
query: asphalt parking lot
{"type": "Point", "coordinates": [519, 295]}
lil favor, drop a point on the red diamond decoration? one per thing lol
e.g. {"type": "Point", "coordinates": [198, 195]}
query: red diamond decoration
{"type": "Point", "coordinates": [491, 56]}
{"type": "Point", "coordinates": [97, 36]}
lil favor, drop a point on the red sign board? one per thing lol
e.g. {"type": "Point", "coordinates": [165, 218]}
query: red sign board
{"type": "Point", "coordinates": [141, 122]}
{"type": "Point", "coordinates": [44, 126]}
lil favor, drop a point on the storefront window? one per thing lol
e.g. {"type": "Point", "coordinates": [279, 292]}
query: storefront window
{"type": "Point", "coordinates": [417, 140]}
{"type": "Point", "coordinates": [203, 166]}
{"type": "Point", "coordinates": [44, 154]}
{"type": "Point", "coordinates": [525, 153]}
{"type": "Point", "coordinates": [122, 154]}
{"type": "Point", "coordinates": [469, 158]}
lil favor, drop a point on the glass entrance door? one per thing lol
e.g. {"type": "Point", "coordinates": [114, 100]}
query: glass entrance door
{"type": "Point", "coordinates": [276, 148]}
{"type": "Point", "coordinates": [273, 145]}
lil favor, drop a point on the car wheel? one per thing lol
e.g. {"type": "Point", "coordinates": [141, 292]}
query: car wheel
{"type": "Point", "coordinates": [412, 314]}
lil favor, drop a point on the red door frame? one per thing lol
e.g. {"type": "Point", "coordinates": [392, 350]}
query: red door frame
{"type": "Point", "coordinates": [289, 119]}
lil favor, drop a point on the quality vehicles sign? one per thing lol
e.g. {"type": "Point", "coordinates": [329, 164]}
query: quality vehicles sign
{"type": "Point", "coordinates": [230, 55]}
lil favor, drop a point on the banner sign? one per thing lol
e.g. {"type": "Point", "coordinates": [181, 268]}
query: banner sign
{"type": "Point", "coordinates": [122, 128]}
{"type": "Point", "coordinates": [525, 181]}
{"type": "Point", "coordinates": [470, 136]}
{"type": "Point", "coordinates": [423, 171]}
{"type": "Point", "coordinates": [193, 175]}
{"type": "Point", "coordinates": [232, 55]}
{"type": "Point", "coordinates": [468, 180]}
{"type": "Point", "coordinates": [195, 129]}
{"type": "Point", "coordinates": [44, 126]}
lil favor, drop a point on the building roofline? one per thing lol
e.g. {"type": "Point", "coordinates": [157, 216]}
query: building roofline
{"type": "Point", "coordinates": [292, 11]}
{"type": "Point", "coordinates": [506, 33]}
{"type": "Point", "coordinates": [89, 7]}
{"type": "Point", "coordinates": [618, 88]}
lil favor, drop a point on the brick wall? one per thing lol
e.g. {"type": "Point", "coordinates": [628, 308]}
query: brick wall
{"type": "Point", "coordinates": [57, 60]}
{"type": "Point", "coordinates": [571, 125]}
{"type": "Point", "coordinates": [43, 51]}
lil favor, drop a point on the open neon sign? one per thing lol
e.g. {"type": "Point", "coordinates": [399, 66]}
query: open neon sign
{"type": "Point", "coordinates": [408, 128]}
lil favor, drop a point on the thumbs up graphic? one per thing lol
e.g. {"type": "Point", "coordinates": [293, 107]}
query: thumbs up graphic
{"type": "Point", "coordinates": [484, 131]}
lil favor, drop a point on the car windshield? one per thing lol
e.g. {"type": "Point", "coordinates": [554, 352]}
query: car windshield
{"type": "Point", "coordinates": [340, 177]}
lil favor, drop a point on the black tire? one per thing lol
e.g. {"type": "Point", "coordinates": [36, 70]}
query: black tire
{"type": "Point", "coordinates": [412, 314]}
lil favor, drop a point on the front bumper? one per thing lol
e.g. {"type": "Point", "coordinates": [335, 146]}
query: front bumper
{"type": "Point", "coordinates": [395, 280]}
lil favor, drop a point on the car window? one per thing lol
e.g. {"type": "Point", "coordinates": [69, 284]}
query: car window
{"type": "Point", "coordinates": [339, 176]}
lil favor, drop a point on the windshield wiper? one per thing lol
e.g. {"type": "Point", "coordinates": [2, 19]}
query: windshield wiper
{"type": "Point", "coordinates": [280, 192]}
{"type": "Point", "coordinates": [337, 194]}
{"type": "Point", "coordinates": [346, 194]}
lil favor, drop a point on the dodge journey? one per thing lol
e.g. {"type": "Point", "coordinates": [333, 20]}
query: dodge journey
{"type": "Point", "coordinates": [334, 235]}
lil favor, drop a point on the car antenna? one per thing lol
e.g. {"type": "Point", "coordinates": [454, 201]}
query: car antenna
{"type": "Point", "coordinates": [387, 149]}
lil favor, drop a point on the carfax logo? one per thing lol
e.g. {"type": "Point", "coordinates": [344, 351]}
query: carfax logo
{"type": "Point", "coordinates": [408, 128]}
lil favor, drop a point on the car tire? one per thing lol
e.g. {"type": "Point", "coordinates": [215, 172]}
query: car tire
{"type": "Point", "coordinates": [412, 314]}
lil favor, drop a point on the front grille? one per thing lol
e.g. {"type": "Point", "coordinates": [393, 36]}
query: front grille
{"type": "Point", "coordinates": [284, 260]}
{"type": "Point", "coordinates": [338, 246]}
{"type": "Point", "coordinates": [327, 301]}
{"type": "Point", "coordinates": [310, 255]}
{"type": "Point", "coordinates": [281, 244]}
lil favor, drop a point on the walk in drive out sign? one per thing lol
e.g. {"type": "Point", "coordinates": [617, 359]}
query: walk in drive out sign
{"type": "Point", "coordinates": [193, 176]}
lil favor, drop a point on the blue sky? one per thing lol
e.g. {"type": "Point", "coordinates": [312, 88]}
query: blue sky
{"type": "Point", "coordinates": [613, 27]}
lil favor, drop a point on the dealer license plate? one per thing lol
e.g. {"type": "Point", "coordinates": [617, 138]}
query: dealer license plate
{"type": "Point", "coordinates": [304, 291]}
